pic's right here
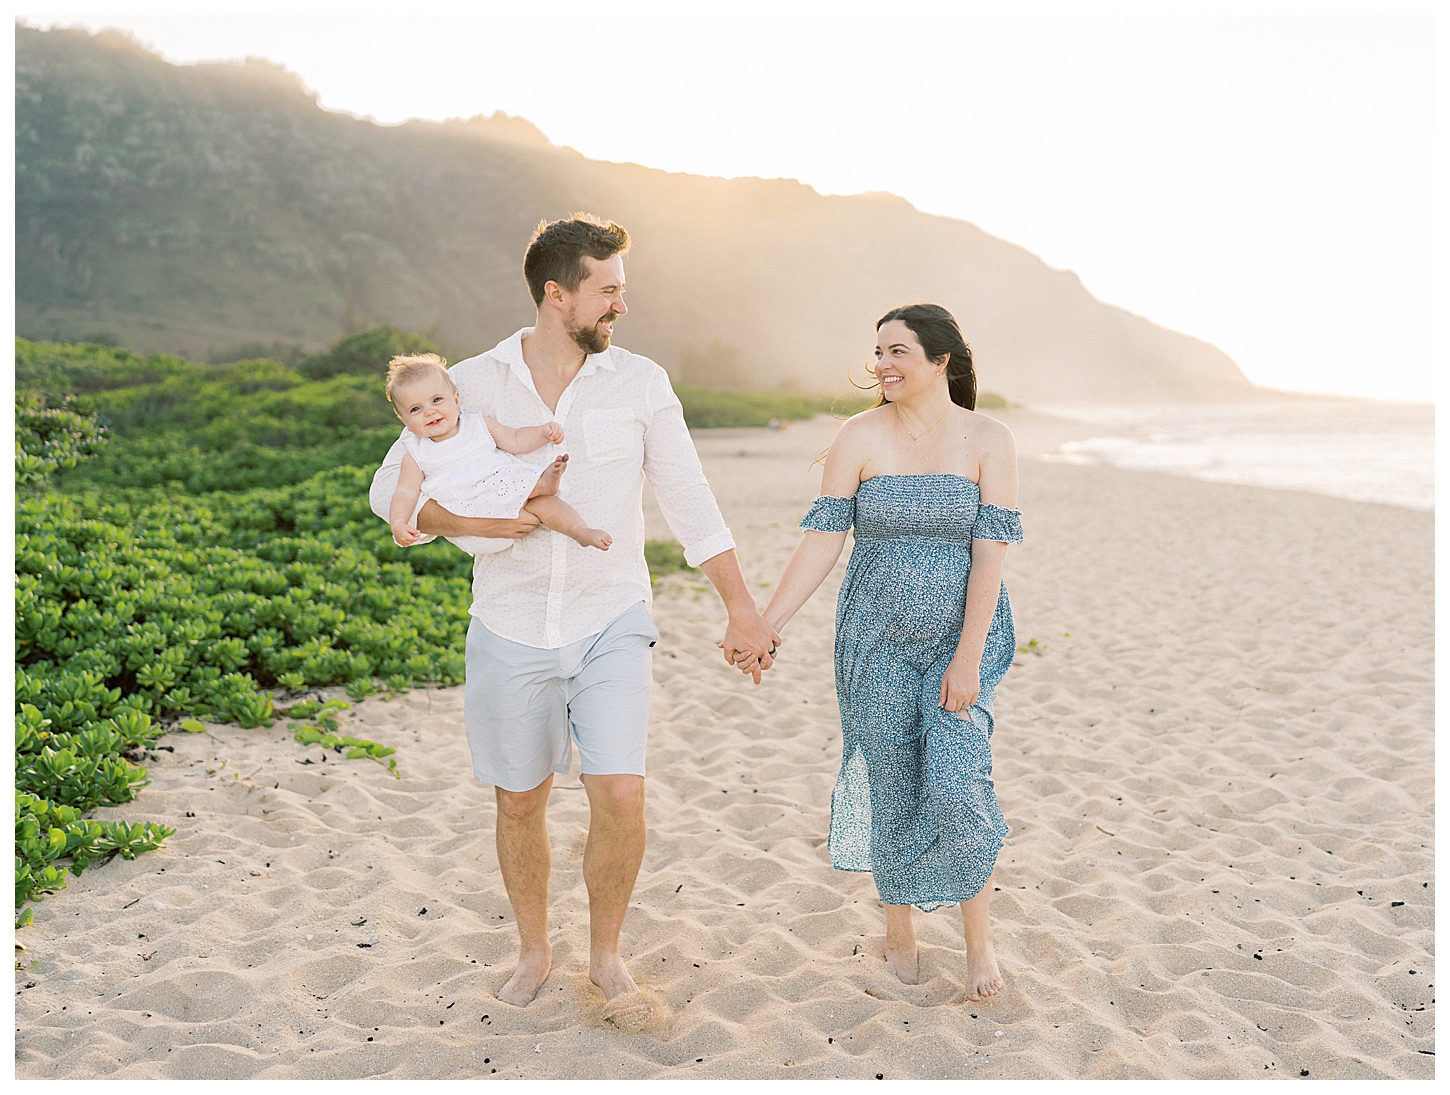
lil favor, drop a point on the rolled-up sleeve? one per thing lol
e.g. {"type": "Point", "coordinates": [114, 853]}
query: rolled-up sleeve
{"type": "Point", "coordinates": [385, 482]}
{"type": "Point", "coordinates": [673, 468]}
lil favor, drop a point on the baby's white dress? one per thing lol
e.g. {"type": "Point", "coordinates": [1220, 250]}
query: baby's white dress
{"type": "Point", "coordinates": [470, 476]}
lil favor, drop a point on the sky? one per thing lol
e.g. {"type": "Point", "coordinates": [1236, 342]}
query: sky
{"type": "Point", "coordinates": [1258, 175]}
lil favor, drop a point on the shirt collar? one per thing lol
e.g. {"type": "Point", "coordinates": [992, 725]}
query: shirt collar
{"type": "Point", "coordinates": [511, 351]}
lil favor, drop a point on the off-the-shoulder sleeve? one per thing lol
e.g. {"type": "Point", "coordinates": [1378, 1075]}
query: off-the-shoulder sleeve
{"type": "Point", "coordinates": [829, 514]}
{"type": "Point", "coordinates": [996, 523]}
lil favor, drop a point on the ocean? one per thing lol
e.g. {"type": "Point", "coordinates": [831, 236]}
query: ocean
{"type": "Point", "coordinates": [1365, 451]}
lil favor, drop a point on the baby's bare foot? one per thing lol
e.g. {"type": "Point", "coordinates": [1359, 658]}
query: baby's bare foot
{"type": "Point", "coordinates": [531, 972]}
{"type": "Point", "coordinates": [549, 482]}
{"type": "Point", "coordinates": [595, 538]}
{"type": "Point", "coordinates": [983, 977]}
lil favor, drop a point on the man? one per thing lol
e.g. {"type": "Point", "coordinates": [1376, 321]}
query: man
{"type": "Point", "coordinates": [559, 645]}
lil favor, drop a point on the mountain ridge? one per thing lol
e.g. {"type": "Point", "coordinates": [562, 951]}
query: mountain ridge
{"type": "Point", "coordinates": [185, 207]}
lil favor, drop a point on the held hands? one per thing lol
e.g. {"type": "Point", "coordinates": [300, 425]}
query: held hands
{"type": "Point", "coordinates": [961, 684]}
{"type": "Point", "coordinates": [750, 644]}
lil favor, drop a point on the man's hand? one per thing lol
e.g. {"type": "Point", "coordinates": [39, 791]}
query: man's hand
{"type": "Point", "coordinates": [503, 528]}
{"type": "Point", "coordinates": [437, 521]}
{"type": "Point", "coordinates": [750, 643]}
{"type": "Point", "coordinates": [747, 633]}
{"type": "Point", "coordinates": [747, 662]}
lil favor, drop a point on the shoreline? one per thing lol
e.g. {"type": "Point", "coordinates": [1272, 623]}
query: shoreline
{"type": "Point", "coordinates": [1379, 453]}
{"type": "Point", "coordinates": [1223, 737]}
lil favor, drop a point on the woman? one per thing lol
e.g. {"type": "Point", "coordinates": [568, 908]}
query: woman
{"type": "Point", "coordinates": [923, 632]}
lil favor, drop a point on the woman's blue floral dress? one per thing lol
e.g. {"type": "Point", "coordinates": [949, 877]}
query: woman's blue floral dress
{"type": "Point", "coordinates": [914, 803]}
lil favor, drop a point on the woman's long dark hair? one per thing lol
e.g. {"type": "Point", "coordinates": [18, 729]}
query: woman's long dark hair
{"type": "Point", "coordinates": [937, 331]}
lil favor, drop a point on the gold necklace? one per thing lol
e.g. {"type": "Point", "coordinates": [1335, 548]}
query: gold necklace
{"type": "Point", "coordinates": [918, 436]}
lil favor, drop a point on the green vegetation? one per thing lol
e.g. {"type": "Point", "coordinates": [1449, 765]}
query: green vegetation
{"type": "Point", "coordinates": [706, 408]}
{"type": "Point", "coordinates": [665, 557]}
{"type": "Point", "coordinates": [52, 840]}
{"type": "Point", "coordinates": [191, 540]}
{"type": "Point", "coordinates": [226, 427]}
{"type": "Point", "coordinates": [323, 731]}
{"type": "Point", "coordinates": [51, 438]}
{"type": "Point", "coordinates": [709, 409]}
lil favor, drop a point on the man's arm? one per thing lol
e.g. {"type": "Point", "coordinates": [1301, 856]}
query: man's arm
{"type": "Point", "coordinates": [673, 468]}
{"type": "Point", "coordinates": [431, 518]}
{"type": "Point", "coordinates": [746, 633]}
{"type": "Point", "coordinates": [437, 521]}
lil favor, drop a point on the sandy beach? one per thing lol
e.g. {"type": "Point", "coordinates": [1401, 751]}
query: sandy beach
{"type": "Point", "coordinates": [1226, 702]}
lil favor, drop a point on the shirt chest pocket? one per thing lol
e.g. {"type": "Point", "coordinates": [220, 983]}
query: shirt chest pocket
{"type": "Point", "coordinates": [610, 434]}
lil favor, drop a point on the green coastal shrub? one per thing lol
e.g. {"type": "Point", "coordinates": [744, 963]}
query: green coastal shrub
{"type": "Point", "coordinates": [664, 557]}
{"type": "Point", "coordinates": [196, 605]}
{"type": "Point", "coordinates": [53, 841]}
{"type": "Point", "coordinates": [184, 426]}
{"type": "Point", "coordinates": [144, 594]}
{"type": "Point", "coordinates": [706, 408]}
{"type": "Point", "coordinates": [323, 731]}
{"type": "Point", "coordinates": [48, 439]}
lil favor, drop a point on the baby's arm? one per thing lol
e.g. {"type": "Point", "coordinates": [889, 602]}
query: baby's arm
{"type": "Point", "coordinates": [522, 439]}
{"type": "Point", "coordinates": [405, 497]}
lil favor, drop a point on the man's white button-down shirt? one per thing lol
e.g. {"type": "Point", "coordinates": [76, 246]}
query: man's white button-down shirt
{"type": "Point", "coordinates": [621, 419]}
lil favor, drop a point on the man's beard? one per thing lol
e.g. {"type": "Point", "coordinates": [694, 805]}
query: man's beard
{"type": "Point", "coordinates": [592, 339]}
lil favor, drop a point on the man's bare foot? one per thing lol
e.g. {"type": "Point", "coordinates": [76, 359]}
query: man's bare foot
{"type": "Point", "coordinates": [549, 482]}
{"type": "Point", "coordinates": [608, 972]}
{"type": "Point", "coordinates": [594, 537]}
{"type": "Point", "coordinates": [531, 972]}
{"type": "Point", "coordinates": [983, 977]}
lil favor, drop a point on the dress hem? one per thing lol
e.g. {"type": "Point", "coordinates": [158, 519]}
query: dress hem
{"type": "Point", "coordinates": [925, 904]}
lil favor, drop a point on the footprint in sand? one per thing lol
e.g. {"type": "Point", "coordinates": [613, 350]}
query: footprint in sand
{"type": "Point", "coordinates": [634, 1012]}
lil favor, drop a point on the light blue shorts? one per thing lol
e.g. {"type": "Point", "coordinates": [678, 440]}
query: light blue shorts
{"type": "Point", "coordinates": [524, 708]}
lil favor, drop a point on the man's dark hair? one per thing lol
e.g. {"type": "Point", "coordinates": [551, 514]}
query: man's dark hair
{"type": "Point", "coordinates": [556, 253]}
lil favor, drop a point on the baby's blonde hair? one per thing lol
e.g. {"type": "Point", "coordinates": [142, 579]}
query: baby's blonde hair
{"type": "Point", "coordinates": [406, 368]}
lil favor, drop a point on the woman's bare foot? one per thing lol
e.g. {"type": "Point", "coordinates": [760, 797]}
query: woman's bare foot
{"type": "Point", "coordinates": [983, 977]}
{"type": "Point", "coordinates": [594, 537]}
{"type": "Point", "coordinates": [901, 953]}
{"type": "Point", "coordinates": [529, 974]}
{"type": "Point", "coordinates": [549, 482]}
{"type": "Point", "coordinates": [904, 963]}
{"type": "Point", "coordinates": [608, 972]}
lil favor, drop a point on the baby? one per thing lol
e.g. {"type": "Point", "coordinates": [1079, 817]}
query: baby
{"type": "Point", "coordinates": [464, 461]}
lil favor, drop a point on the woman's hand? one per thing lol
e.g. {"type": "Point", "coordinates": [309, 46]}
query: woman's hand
{"type": "Point", "coordinates": [961, 684]}
{"type": "Point", "coordinates": [749, 664]}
